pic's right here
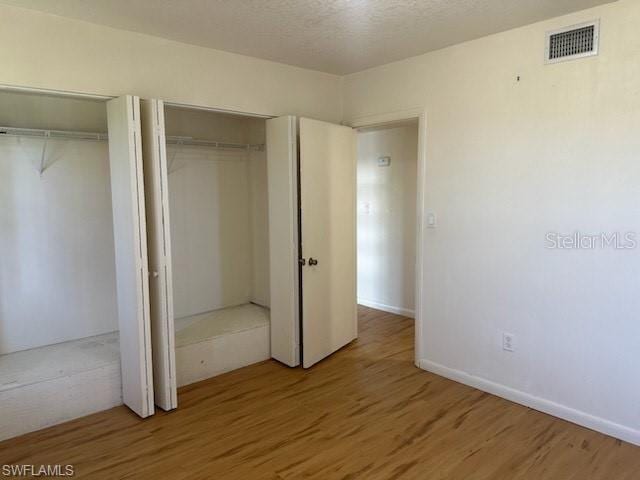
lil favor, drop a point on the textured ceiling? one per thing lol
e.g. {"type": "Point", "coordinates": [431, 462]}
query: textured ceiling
{"type": "Point", "coordinates": [336, 36]}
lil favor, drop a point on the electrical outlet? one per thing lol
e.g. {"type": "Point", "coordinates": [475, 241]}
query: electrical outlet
{"type": "Point", "coordinates": [508, 342]}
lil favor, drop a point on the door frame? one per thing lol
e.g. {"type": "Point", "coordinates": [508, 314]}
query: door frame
{"type": "Point", "coordinates": [391, 118]}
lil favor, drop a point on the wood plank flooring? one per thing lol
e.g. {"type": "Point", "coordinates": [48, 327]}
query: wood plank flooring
{"type": "Point", "coordinates": [365, 413]}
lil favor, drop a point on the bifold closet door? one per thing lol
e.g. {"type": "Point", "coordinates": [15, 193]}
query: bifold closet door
{"type": "Point", "coordinates": [283, 239]}
{"type": "Point", "coordinates": [154, 154]}
{"type": "Point", "coordinates": [129, 227]}
{"type": "Point", "coordinates": [328, 229]}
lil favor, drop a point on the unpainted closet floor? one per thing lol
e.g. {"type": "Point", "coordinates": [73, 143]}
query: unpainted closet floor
{"type": "Point", "coordinates": [60, 360]}
{"type": "Point", "coordinates": [220, 322]}
{"type": "Point", "coordinates": [365, 413]}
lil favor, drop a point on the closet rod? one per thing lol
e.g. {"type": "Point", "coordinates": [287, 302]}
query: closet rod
{"type": "Point", "coordinates": [41, 133]}
{"type": "Point", "coordinates": [172, 140]}
{"type": "Point", "coordinates": [73, 135]}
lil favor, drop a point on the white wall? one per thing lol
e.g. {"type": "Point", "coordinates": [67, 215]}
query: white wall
{"type": "Point", "coordinates": [57, 267]}
{"type": "Point", "coordinates": [219, 218]}
{"type": "Point", "coordinates": [219, 229]}
{"type": "Point", "coordinates": [256, 134]}
{"type": "Point", "coordinates": [259, 210]}
{"type": "Point", "coordinates": [46, 51]}
{"type": "Point", "coordinates": [507, 162]}
{"type": "Point", "coordinates": [207, 125]}
{"type": "Point", "coordinates": [387, 218]}
{"type": "Point", "coordinates": [26, 110]}
{"type": "Point", "coordinates": [210, 229]}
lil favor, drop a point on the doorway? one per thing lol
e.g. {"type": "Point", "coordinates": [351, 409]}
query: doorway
{"type": "Point", "coordinates": [387, 214]}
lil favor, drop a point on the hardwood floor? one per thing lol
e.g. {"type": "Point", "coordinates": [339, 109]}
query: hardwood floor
{"type": "Point", "coordinates": [365, 413]}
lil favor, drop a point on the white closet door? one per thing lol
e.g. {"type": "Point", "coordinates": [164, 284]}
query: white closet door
{"type": "Point", "coordinates": [127, 193]}
{"type": "Point", "coordinates": [156, 182]}
{"type": "Point", "coordinates": [283, 239]}
{"type": "Point", "coordinates": [328, 226]}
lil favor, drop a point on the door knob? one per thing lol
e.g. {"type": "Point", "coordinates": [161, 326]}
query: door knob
{"type": "Point", "coordinates": [312, 261]}
{"type": "Point", "coordinates": [302, 261]}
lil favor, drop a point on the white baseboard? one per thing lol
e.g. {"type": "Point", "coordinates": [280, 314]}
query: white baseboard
{"type": "Point", "coordinates": [387, 308]}
{"type": "Point", "coordinates": [547, 406]}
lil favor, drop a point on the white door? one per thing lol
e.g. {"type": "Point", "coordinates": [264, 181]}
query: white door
{"type": "Point", "coordinates": [129, 226]}
{"type": "Point", "coordinates": [154, 155]}
{"type": "Point", "coordinates": [328, 234]}
{"type": "Point", "coordinates": [283, 239]}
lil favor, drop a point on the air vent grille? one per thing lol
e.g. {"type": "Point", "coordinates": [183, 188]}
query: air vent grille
{"type": "Point", "coordinates": [573, 42]}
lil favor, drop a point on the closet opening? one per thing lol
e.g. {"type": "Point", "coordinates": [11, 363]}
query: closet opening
{"type": "Point", "coordinates": [386, 216]}
{"type": "Point", "coordinates": [60, 355]}
{"type": "Point", "coordinates": [219, 229]}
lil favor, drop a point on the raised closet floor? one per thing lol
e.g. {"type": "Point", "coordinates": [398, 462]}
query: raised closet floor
{"type": "Point", "coordinates": [58, 379]}
{"type": "Point", "coordinates": [62, 360]}
{"type": "Point", "coordinates": [205, 326]}
{"type": "Point", "coordinates": [215, 342]}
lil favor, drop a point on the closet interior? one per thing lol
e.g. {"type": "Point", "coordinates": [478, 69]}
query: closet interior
{"type": "Point", "coordinates": [219, 229]}
{"type": "Point", "coordinates": [128, 226]}
{"type": "Point", "coordinates": [60, 355]}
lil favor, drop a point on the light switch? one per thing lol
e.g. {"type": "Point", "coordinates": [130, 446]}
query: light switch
{"type": "Point", "coordinates": [384, 161]}
{"type": "Point", "coordinates": [431, 220]}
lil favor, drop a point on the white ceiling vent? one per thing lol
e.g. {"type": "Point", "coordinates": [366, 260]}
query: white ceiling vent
{"type": "Point", "coordinates": [569, 43]}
